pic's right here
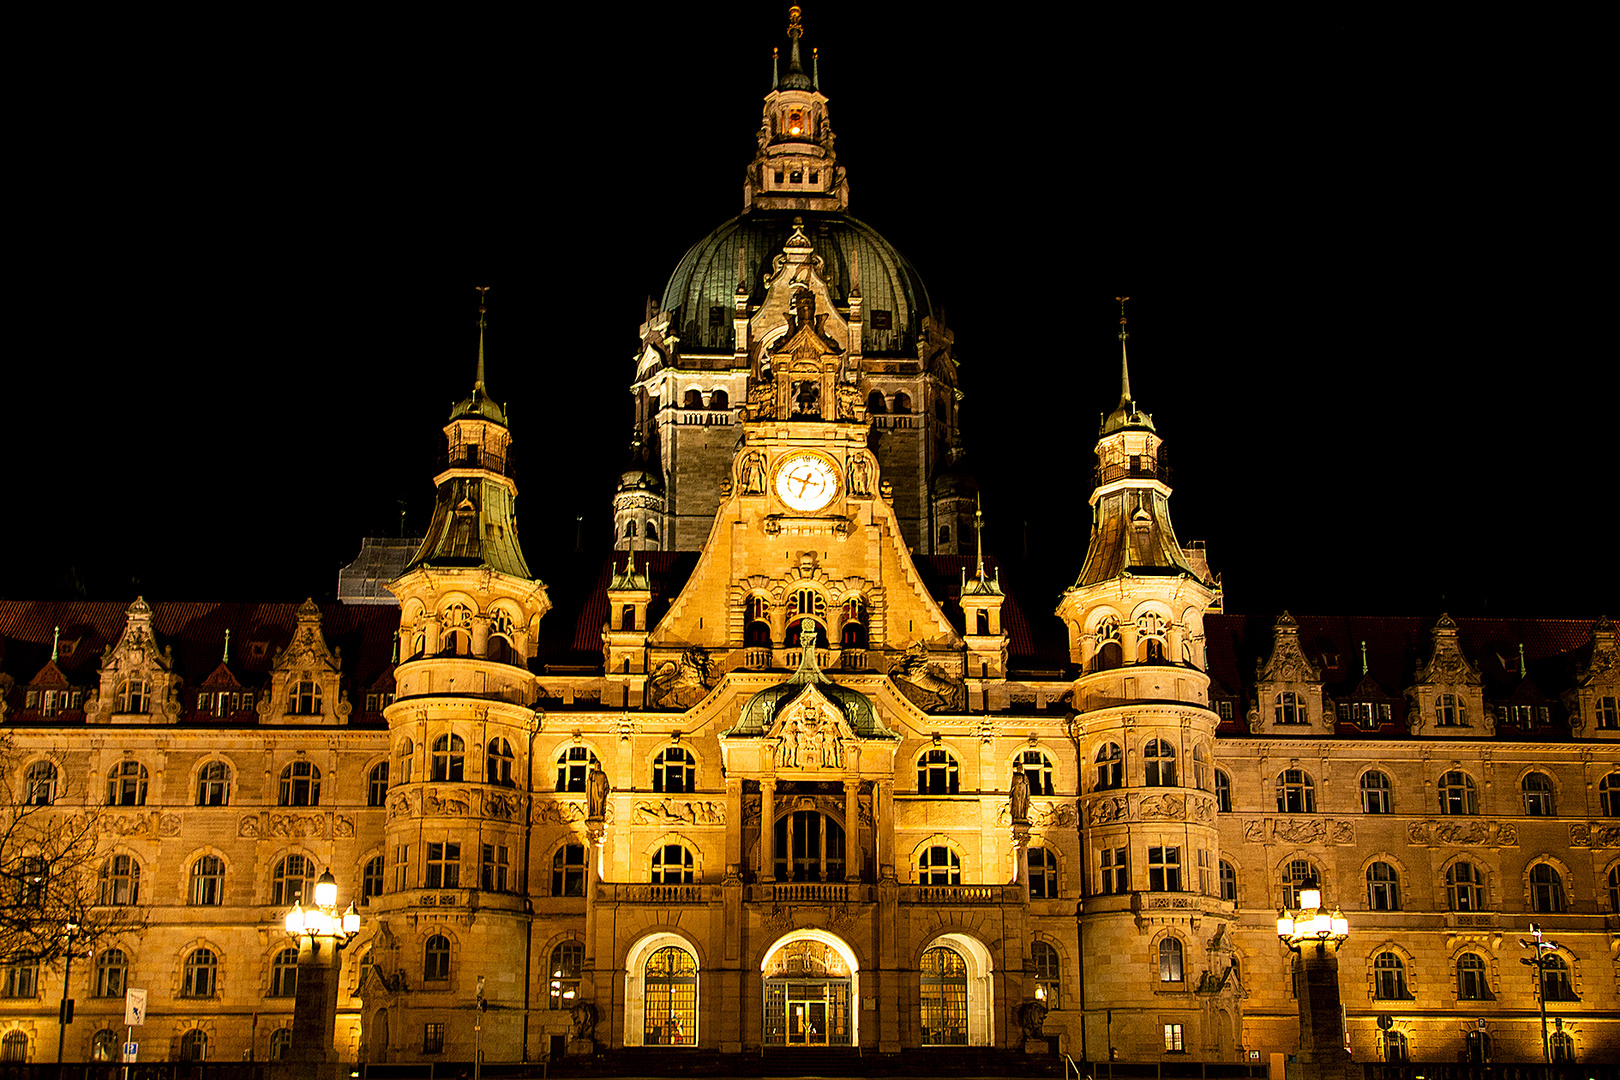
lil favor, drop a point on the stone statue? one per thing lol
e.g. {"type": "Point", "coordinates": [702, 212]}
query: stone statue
{"type": "Point", "coordinates": [860, 476]}
{"type": "Point", "coordinates": [596, 793]}
{"type": "Point", "coordinates": [1020, 797]}
{"type": "Point", "coordinates": [753, 474]}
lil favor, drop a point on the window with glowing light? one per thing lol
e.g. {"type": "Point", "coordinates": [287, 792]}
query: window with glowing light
{"type": "Point", "coordinates": [1048, 981]}
{"type": "Point", "coordinates": [567, 961]}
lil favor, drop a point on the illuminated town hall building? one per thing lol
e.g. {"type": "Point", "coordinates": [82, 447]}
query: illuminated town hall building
{"type": "Point", "coordinates": [794, 771]}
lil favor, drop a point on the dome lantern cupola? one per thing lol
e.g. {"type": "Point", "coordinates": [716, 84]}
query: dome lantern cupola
{"type": "Point", "coordinates": [795, 168]}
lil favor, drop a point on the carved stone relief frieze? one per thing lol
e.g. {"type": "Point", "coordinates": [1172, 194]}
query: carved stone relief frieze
{"type": "Point", "coordinates": [678, 812]}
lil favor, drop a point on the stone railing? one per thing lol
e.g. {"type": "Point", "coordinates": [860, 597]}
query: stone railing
{"type": "Point", "coordinates": [809, 892]}
{"type": "Point", "coordinates": [896, 420]}
{"type": "Point", "coordinates": [960, 894]}
{"type": "Point", "coordinates": [704, 417]}
{"type": "Point", "coordinates": [649, 893]}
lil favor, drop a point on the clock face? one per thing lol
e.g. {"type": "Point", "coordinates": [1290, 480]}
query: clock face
{"type": "Point", "coordinates": [806, 482]}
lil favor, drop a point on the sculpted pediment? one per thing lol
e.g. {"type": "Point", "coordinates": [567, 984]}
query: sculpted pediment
{"type": "Point", "coordinates": [810, 733]}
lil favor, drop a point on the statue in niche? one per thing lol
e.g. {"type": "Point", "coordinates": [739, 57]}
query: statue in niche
{"type": "Point", "coordinates": [1020, 797]}
{"type": "Point", "coordinates": [860, 476]}
{"type": "Point", "coordinates": [596, 793]}
{"type": "Point", "coordinates": [753, 474]}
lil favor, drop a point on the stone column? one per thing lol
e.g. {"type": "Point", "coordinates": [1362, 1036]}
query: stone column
{"type": "Point", "coordinates": [767, 829]}
{"type": "Point", "coordinates": [315, 1007]}
{"type": "Point", "coordinates": [852, 828]}
{"type": "Point", "coordinates": [883, 819]}
{"type": "Point", "coordinates": [1020, 852]}
{"type": "Point", "coordinates": [1321, 1023]}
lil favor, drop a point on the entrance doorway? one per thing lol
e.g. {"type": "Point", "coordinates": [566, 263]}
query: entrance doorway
{"type": "Point", "coordinates": [807, 996]}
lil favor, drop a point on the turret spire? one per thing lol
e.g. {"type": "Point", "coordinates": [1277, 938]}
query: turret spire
{"type": "Point", "coordinates": [478, 380]}
{"type": "Point", "coordinates": [978, 529]}
{"type": "Point", "coordinates": [225, 657]}
{"type": "Point", "coordinates": [56, 639]}
{"type": "Point", "coordinates": [1124, 366]}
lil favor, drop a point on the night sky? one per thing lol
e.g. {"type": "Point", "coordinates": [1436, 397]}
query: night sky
{"type": "Point", "coordinates": [1354, 320]}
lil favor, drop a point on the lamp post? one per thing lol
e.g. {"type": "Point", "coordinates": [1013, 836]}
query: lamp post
{"type": "Point", "coordinates": [1541, 961]}
{"type": "Point", "coordinates": [64, 1015]}
{"type": "Point", "coordinates": [321, 935]}
{"type": "Point", "coordinates": [1315, 936]}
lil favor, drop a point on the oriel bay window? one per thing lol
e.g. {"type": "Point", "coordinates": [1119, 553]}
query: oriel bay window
{"type": "Point", "coordinates": [449, 759]}
{"type": "Point", "coordinates": [1164, 869]}
{"type": "Point", "coordinates": [809, 847]}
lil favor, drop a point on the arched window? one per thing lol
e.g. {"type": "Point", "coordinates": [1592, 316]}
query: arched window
{"type": "Point", "coordinates": [1383, 888]}
{"type": "Point", "coordinates": [14, 1047]}
{"type": "Point", "coordinates": [574, 768]}
{"type": "Point", "coordinates": [1538, 794]}
{"type": "Point", "coordinates": [287, 883]}
{"type": "Point", "coordinates": [757, 633]}
{"type": "Point", "coordinates": [674, 770]}
{"type": "Point", "coordinates": [802, 605]}
{"type": "Point", "coordinates": [207, 881]}
{"type": "Point", "coordinates": [304, 696]}
{"type": "Point", "coordinates": [693, 400]}
{"type": "Point", "coordinates": [852, 624]}
{"type": "Point", "coordinates": [1159, 758]}
{"type": "Point", "coordinates": [1110, 767]}
{"type": "Point", "coordinates": [672, 865]}
{"type": "Point", "coordinates": [1614, 890]}
{"type": "Point", "coordinates": [1555, 984]}
{"type": "Point", "coordinates": [1465, 887]}
{"type": "Point", "coordinates": [1546, 890]}
{"type": "Point", "coordinates": [670, 986]}
{"type": "Point", "coordinates": [1609, 795]}
{"type": "Point", "coordinates": [568, 871]}
{"type": "Point", "coordinates": [875, 403]}
{"type": "Point", "coordinates": [280, 1044]}
{"type": "Point", "coordinates": [1457, 794]}
{"type": "Point", "coordinates": [1043, 875]}
{"type": "Point", "coordinates": [1037, 770]}
{"type": "Point", "coordinates": [1223, 792]}
{"type": "Point", "coordinates": [1375, 791]}
{"type": "Point", "coordinates": [300, 785]}
{"type": "Point", "coordinates": [120, 881]}
{"type": "Point", "coordinates": [938, 865]}
{"type": "Point", "coordinates": [201, 974]}
{"type": "Point", "coordinates": [1389, 977]}
{"type": "Point", "coordinates": [377, 784]}
{"type": "Point", "coordinates": [1150, 630]}
{"type": "Point", "coordinates": [30, 876]}
{"type": "Point", "coordinates": [944, 998]}
{"type": "Point", "coordinates": [498, 763]}
{"type": "Point", "coordinates": [567, 961]}
{"type": "Point", "coordinates": [134, 696]}
{"type": "Point", "coordinates": [39, 784]}
{"type": "Point", "coordinates": [1110, 654]}
{"type": "Point", "coordinates": [1048, 978]}
{"type": "Point", "coordinates": [719, 399]}
{"type": "Point", "coordinates": [194, 1045]}
{"type": "Point", "coordinates": [1562, 1045]}
{"type": "Point", "coordinates": [1200, 758]}
{"type": "Point", "coordinates": [284, 974]}
{"type": "Point", "coordinates": [436, 959]}
{"type": "Point", "coordinates": [1289, 708]}
{"type": "Point", "coordinates": [449, 759]}
{"type": "Point", "coordinates": [1296, 792]}
{"type": "Point", "coordinates": [1170, 960]}
{"type": "Point", "coordinates": [1472, 983]}
{"type": "Point", "coordinates": [652, 532]}
{"type": "Point", "coordinates": [105, 1046]}
{"type": "Point", "coordinates": [1395, 1047]}
{"type": "Point", "coordinates": [214, 784]}
{"type": "Point", "coordinates": [1295, 876]}
{"type": "Point", "coordinates": [1228, 881]}
{"type": "Point", "coordinates": [126, 784]}
{"type": "Point", "coordinates": [902, 403]}
{"type": "Point", "coordinates": [937, 773]}
{"type": "Point", "coordinates": [371, 879]}
{"type": "Point", "coordinates": [630, 529]}
{"type": "Point", "coordinates": [112, 973]}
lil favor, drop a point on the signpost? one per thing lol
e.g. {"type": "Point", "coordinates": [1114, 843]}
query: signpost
{"type": "Point", "coordinates": [134, 1017]}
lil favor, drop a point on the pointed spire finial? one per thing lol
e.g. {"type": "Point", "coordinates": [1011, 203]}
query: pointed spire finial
{"type": "Point", "coordinates": [1521, 660]}
{"type": "Point", "coordinates": [225, 657]}
{"type": "Point", "coordinates": [1124, 368]}
{"type": "Point", "coordinates": [776, 67]}
{"type": "Point", "coordinates": [1364, 658]}
{"type": "Point", "coordinates": [56, 640]}
{"type": "Point", "coordinates": [478, 382]}
{"type": "Point", "coordinates": [978, 529]}
{"type": "Point", "coordinates": [815, 69]}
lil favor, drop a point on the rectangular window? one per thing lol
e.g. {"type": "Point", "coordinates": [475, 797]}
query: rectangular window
{"type": "Point", "coordinates": [373, 702]}
{"type": "Point", "coordinates": [402, 867]}
{"type": "Point", "coordinates": [1172, 1038]}
{"type": "Point", "coordinates": [443, 867]}
{"type": "Point", "coordinates": [496, 866]}
{"type": "Point", "coordinates": [1205, 877]}
{"type": "Point", "coordinates": [1115, 875]}
{"type": "Point", "coordinates": [1608, 714]}
{"type": "Point", "coordinates": [1223, 709]}
{"type": "Point", "coordinates": [432, 1038]}
{"type": "Point", "coordinates": [1164, 869]}
{"type": "Point", "coordinates": [881, 319]}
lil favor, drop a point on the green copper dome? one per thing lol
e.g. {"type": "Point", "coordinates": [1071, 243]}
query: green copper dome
{"type": "Point", "coordinates": [706, 279]}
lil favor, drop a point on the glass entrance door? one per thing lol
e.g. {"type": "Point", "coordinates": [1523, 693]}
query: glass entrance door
{"type": "Point", "coordinates": [809, 1013]}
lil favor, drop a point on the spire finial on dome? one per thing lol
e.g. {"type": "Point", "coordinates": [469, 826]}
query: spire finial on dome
{"type": "Point", "coordinates": [478, 381]}
{"type": "Point", "coordinates": [56, 640]}
{"type": "Point", "coordinates": [978, 529]}
{"type": "Point", "coordinates": [776, 67]}
{"type": "Point", "coordinates": [815, 68]}
{"type": "Point", "coordinates": [225, 657]}
{"type": "Point", "coordinates": [1124, 367]}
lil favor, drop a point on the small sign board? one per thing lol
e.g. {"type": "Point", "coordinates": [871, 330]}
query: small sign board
{"type": "Point", "coordinates": [134, 1007]}
{"type": "Point", "coordinates": [130, 1050]}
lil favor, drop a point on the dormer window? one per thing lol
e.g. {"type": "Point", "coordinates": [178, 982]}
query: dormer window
{"type": "Point", "coordinates": [1449, 711]}
{"type": "Point", "coordinates": [134, 696]}
{"type": "Point", "coordinates": [304, 696]}
{"type": "Point", "coordinates": [1289, 708]}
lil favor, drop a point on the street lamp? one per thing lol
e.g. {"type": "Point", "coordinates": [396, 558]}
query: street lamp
{"type": "Point", "coordinates": [64, 1015]}
{"type": "Point", "coordinates": [321, 934]}
{"type": "Point", "coordinates": [1543, 959]}
{"type": "Point", "coordinates": [1315, 936]}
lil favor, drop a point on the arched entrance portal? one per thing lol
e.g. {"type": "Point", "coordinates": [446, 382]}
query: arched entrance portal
{"type": "Point", "coordinates": [811, 983]}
